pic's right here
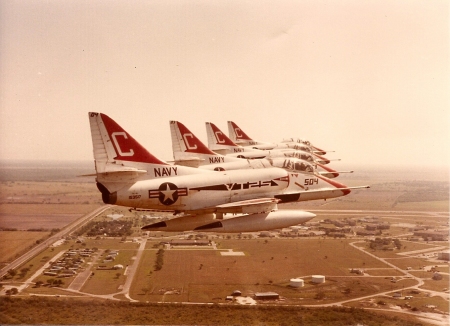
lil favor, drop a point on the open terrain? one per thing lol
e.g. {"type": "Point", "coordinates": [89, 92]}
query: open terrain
{"type": "Point", "coordinates": [46, 201]}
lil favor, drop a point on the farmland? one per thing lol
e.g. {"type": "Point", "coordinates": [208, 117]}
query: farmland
{"type": "Point", "coordinates": [193, 274]}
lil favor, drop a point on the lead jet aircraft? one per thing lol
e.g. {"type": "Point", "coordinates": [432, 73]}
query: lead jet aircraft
{"type": "Point", "coordinates": [238, 136]}
{"type": "Point", "coordinates": [128, 175]}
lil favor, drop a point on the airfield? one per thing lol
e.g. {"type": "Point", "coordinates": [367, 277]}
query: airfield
{"type": "Point", "coordinates": [58, 216]}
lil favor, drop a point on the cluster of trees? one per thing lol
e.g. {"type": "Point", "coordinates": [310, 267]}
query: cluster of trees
{"type": "Point", "coordinates": [41, 310]}
{"type": "Point", "coordinates": [51, 282]}
{"type": "Point", "coordinates": [12, 291]}
{"type": "Point", "coordinates": [13, 272]}
{"type": "Point", "coordinates": [385, 244]}
{"type": "Point", "coordinates": [159, 259]}
{"type": "Point", "coordinates": [110, 228]}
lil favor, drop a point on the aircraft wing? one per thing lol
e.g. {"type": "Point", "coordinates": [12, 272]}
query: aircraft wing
{"type": "Point", "coordinates": [332, 174]}
{"type": "Point", "coordinates": [315, 194]}
{"type": "Point", "coordinates": [249, 206]}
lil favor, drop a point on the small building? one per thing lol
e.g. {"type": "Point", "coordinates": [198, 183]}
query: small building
{"type": "Point", "coordinates": [266, 234]}
{"type": "Point", "coordinates": [371, 227]}
{"type": "Point", "coordinates": [267, 296]}
{"type": "Point", "coordinates": [181, 242]}
{"type": "Point", "coordinates": [236, 293]}
{"type": "Point", "coordinates": [383, 226]}
{"type": "Point", "coordinates": [445, 255]}
{"type": "Point", "coordinates": [365, 233]}
{"type": "Point", "coordinates": [432, 235]}
{"type": "Point", "coordinates": [318, 279]}
{"type": "Point", "coordinates": [357, 271]}
{"type": "Point", "coordinates": [296, 282]}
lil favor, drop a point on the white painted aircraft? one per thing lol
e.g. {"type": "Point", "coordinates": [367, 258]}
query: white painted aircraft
{"type": "Point", "coordinates": [188, 150]}
{"type": "Point", "coordinates": [220, 143]}
{"type": "Point", "coordinates": [238, 136]}
{"type": "Point", "coordinates": [128, 175]}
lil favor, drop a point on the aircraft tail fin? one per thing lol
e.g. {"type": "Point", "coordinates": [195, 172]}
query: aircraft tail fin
{"type": "Point", "coordinates": [119, 158]}
{"type": "Point", "coordinates": [112, 143]}
{"type": "Point", "coordinates": [217, 140]}
{"type": "Point", "coordinates": [236, 134]}
{"type": "Point", "coordinates": [187, 148]}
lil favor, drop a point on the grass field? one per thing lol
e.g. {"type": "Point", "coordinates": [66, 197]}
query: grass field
{"type": "Point", "coordinates": [436, 285]}
{"type": "Point", "coordinates": [408, 247]}
{"type": "Point", "coordinates": [419, 302]}
{"type": "Point", "coordinates": [206, 276]}
{"type": "Point", "coordinates": [109, 281]}
{"type": "Point", "coordinates": [14, 242]}
{"type": "Point", "coordinates": [39, 199]}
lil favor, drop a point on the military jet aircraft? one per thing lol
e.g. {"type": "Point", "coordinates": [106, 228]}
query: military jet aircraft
{"type": "Point", "coordinates": [188, 150]}
{"type": "Point", "coordinates": [128, 175]}
{"type": "Point", "coordinates": [238, 136]}
{"type": "Point", "coordinates": [220, 143]}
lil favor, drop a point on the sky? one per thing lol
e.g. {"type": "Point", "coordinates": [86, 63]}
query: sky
{"type": "Point", "coordinates": [366, 79]}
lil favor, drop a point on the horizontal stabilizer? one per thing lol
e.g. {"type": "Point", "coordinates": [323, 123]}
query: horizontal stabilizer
{"type": "Point", "coordinates": [121, 172]}
{"type": "Point", "coordinates": [194, 162]}
{"type": "Point", "coordinates": [115, 178]}
{"type": "Point", "coordinates": [110, 168]}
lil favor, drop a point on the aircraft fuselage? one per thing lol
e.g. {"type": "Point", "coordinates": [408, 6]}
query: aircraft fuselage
{"type": "Point", "coordinates": [203, 191]}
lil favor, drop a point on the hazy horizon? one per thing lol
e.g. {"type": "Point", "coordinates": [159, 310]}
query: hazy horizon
{"type": "Point", "coordinates": [368, 80]}
{"type": "Point", "coordinates": [335, 164]}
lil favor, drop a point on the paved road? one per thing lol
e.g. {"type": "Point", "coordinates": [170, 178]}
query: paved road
{"type": "Point", "coordinates": [42, 246]}
{"type": "Point", "coordinates": [438, 319]}
{"type": "Point", "coordinates": [83, 276]}
{"type": "Point", "coordinates": [131, 271]}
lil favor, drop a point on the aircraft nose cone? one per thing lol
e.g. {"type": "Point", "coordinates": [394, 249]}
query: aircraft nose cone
{"type": "Point", "coordinates": [322, 159]}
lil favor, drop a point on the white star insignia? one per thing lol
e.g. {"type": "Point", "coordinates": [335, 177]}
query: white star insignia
{"type": "Point", "coordinates": [168, 193]}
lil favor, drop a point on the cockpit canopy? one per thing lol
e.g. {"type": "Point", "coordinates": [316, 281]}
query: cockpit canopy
{"type": "Point", "coordinates": [296, 140]}
{"type": "Point", "coordinates": [292, 164]}
{"type": "Point", "coordinates": [301, 155]}
{"type": "Point", "coordinates": [300, 147]}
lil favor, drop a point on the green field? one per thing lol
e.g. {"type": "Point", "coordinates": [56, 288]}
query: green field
{"type": "Point", "coordinates": [195, 275]}
{"type": "Point", "coordinates": [13, 243]}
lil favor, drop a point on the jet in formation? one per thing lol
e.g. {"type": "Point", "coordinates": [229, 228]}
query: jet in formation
{"type": "Point", "coordinates": [212, 197]}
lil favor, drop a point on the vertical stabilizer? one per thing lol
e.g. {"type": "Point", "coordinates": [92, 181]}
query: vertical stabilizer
{"type": "Point", "coordinates": [188, 150]}
{"type": "Point", "coordinates": [119, 158]}
{"type": "Point", "coordinates": [217, 140]}
{"type": "Point", "coordinates": [113, 143]}
{"type": "Point", "coordinates": [184, 141]}
{"type": "Point", "coordinates": [237, 135]}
